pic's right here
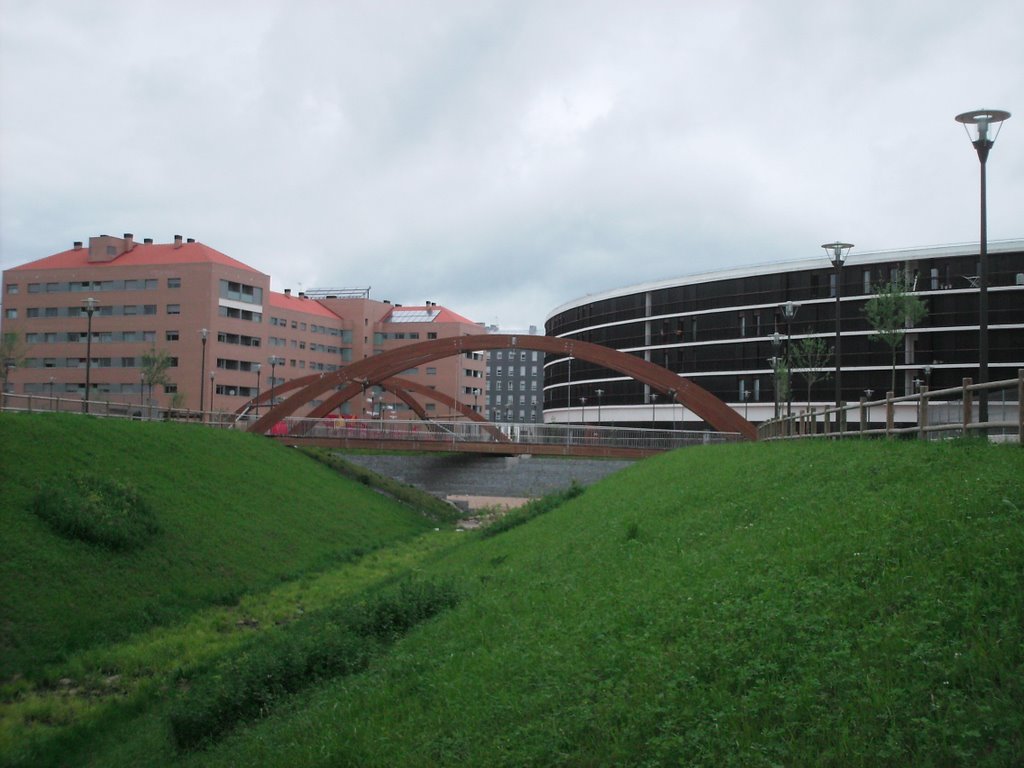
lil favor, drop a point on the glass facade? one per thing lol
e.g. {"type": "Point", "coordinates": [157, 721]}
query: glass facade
{"type": "Point", "coordinates": [718, 329]}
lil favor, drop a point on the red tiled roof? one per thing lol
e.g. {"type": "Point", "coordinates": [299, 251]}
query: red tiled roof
{"type": "Point", "coordinates": [295, 304]}
{"type": "Point", "coordinates": [142, 254]}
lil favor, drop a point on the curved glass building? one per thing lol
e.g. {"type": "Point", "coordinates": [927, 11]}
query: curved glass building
{"type": "Point", "coordinates": [719, 329]}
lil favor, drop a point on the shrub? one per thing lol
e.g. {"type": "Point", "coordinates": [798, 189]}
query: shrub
{"type": "Point", "coordinates": [391, 615]}
{"type": "Point", "coordinates": [97, 510]}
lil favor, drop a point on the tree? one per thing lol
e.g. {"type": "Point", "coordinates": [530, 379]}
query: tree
{"type": "Point", "coordinates": [891, 311]}
{"type": "Point", "coordinates": [811, 355]}
{"type": "Point", "coordinates": [154, 369]}
{"type": "Point", "coordinates": [12, 354]}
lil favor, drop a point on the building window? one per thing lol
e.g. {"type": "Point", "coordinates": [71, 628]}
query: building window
{"type": "Point", "coordinates": [12, 288]}
{"type": "Point", "coordinates": [174, 309]}
{"type": "Point", "coordinates": [239, 292]}
{"type": "Point", "coordinates": [11, 314]}
{"type": "Point", "coordinates": [431, 334]}
{"type": "Point", "coordinates": [174, 282]}
{"type": "Point", "coordinates": [172, 336]}
{"type": "Point", "coordinates": [431, 371]}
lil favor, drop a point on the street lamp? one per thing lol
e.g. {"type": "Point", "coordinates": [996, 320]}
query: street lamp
{"type": "Point", "coordinates": [203, 333]}
{"type": "Point", "coordinates": [52, 407]}
{"type": "Point", "coordinates": [837, 255]}
{"type": "Point", "coordinates": [256, 407]}
{"type": "Point", "coordinates": [90, 307]}
{"type": "Point", "coordinates": [142, 394]}
{"type": "Point", "coordinates": [789, 310]}
{"type": "Point", "coordinates": [583, 405]}
{"type": "Point", "coordinates": [654, 402]}
{"type": "Point", "coordinates": [982, 120]}
{"type": "Point", "coordinates": [600, 394]}
{"type": "Point", "coordinates": [213, 375]}
{"type": "Point", "coordinates": [774, 360]}
{"type": "Point", "coordinates": [274, 361]}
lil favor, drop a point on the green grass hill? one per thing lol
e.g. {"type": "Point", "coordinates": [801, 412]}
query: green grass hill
{"type": "Point", "coordinates": [801, 604]}
{"type": "Point", "coordinates": [236, 513]}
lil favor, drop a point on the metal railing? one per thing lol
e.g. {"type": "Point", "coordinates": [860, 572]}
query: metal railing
{"type": "Point", "coordinates": [112, 409]}
{"type": "Point", "coordinates": [462, 432]}
{"type": "Point", "coordinates": [929, 414]}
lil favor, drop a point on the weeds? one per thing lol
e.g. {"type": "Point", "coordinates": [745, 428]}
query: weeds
{"type": "Point", "coordinates": [530, 510]}
{"type": "Point", "coordinates": [98, 510]}
{"type": "Point", "coordinates": [334, 643]}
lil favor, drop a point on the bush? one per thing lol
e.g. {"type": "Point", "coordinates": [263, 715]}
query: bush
{"type": "Point", "coordinates": [391, 615]}
{"type": "Point", "coordinates": [330, 644]}
{"type": "Point", "coordinates": [97, 510]}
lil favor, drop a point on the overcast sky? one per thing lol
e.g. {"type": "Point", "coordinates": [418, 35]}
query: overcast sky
{"type": "Point", "coordinates": [504, 157]}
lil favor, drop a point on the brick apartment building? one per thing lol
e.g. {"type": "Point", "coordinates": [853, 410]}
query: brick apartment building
{"type": "Point", "coordinates": [166, 297]}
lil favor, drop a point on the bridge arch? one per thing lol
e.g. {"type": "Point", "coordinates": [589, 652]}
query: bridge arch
{"type": "Point", "coordinates": [403, 389]}
{"type": "Point", "coordinates": [355, 377]}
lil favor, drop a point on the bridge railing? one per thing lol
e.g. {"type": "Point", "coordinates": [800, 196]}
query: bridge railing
{"type": "Point", "coordinates": [438, 431]}
{"type": "Point", "coordinates": [465, 431]}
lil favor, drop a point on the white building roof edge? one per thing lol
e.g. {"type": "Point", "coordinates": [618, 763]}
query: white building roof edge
{"type": "Point", "coordinates": [796, 265]}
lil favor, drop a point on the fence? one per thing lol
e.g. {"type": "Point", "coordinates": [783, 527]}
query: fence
{"type": "Point", "coordinates": [113, 409]}
{"type": "Point", "coordinates": [927, 415]}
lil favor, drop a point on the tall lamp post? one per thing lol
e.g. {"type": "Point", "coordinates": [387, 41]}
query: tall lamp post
{"type": "Point", "coordinates": [274, 361]}
{"type": "Point", "coordinates": [654, 402]}
{"type": "Point", "coordinates": [203, 333]}
{"type": "Point", "coordinates": [837, 255]}
{"type": "Point", "coordinates": [982, 120]}
{"type": "Point", "coordinates": [256, 407]}
{"type": "Point", "coordinates": [774, 360]}
{"type": "Point", "coordinates": [213, 376]}
{"type": "Point", "coordinates": [583, 405]}
{"type": "Point", "coordinates": [600, 395]}
{"type": "Point", "coordinates": [90, 307]}
{"type": "Point", "coordinates": [789, 310]}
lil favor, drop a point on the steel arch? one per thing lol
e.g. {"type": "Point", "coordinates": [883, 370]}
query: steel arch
{"type": "Point", "coordinates": [373, 370]}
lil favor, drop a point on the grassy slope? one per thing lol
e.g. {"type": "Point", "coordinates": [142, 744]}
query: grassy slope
{"type": "Point", "coordinates": [238, 514]}
{"type": "Point", "coordinates": [854, 604]}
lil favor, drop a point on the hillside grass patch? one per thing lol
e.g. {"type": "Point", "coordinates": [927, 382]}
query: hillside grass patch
{"type": "Point", "coordinates": [98, 510]}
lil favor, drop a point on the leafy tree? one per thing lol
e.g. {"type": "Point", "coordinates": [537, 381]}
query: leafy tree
{"type": "Point", "coordinates": [12, 354]}
{"type": "Point", "coordinates": [891, 311]}
{"type": "Point", "coordinates": [154, 369]}
{"type": "Point", "coordinates": [812, 355]}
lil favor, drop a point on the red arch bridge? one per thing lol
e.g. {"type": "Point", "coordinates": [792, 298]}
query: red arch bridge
{"type": "Point", "coordinates": [474, 433]}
